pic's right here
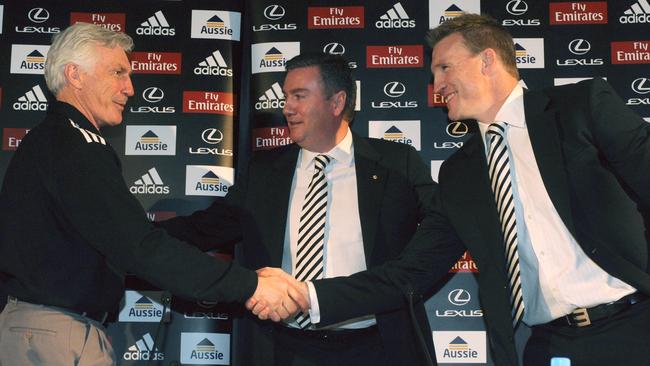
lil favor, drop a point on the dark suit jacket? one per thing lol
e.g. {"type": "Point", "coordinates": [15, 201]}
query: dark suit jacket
{"type": "Point", "coordinates": [594, 157]}
{"type": "Point", "coordinates": [395, 193]}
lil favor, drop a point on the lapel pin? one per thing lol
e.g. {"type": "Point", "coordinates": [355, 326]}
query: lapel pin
{"type": "Point", "coordinates": [375, 177]}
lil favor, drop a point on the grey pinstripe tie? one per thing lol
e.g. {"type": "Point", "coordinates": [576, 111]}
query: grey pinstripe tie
{"type": "Point", "coordinates": [500, 181]}
{"type": "Point", "coordinates": [311, 232]}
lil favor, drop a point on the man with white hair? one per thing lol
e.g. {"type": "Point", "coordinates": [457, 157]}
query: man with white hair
{"type": "Point", "coordinates": [70, 229]}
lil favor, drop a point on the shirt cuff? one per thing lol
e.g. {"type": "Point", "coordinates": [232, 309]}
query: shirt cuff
{"type": "Point", "coordinates": [314, 309]}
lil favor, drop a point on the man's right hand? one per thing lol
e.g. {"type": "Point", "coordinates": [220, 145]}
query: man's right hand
{"type": "Point", "coordinates": [278, 295]}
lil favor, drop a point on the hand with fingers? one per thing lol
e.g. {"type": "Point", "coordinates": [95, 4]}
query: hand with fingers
{"type": "Point", "coordinates": [278, 295]}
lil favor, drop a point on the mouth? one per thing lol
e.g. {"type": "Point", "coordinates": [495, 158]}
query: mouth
{"type": "Point", "coordinates": [448, 97]}
{"type": "Point", "coordinates": [293, 123]}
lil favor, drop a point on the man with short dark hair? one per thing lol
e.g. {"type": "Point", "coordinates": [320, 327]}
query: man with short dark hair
{"type": "Point", "coordinates": [70, 229]}
{"type": "Point", "coordinates": [331, 204]}
{"type": "Point", "coordinates": [549, 197]}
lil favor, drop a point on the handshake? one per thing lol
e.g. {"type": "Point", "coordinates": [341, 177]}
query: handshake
{"type": "Point", "coordinates": [278, 295]}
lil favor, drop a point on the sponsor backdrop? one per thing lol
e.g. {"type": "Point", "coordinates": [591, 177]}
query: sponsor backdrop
{"type": "Point", "coordinates": [208, 78]}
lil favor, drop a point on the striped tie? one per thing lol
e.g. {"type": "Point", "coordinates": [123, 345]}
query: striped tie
{"type": "Point", "coordinates": [500, 180]}
{"type": "Point", "coordinates": [311, 233]}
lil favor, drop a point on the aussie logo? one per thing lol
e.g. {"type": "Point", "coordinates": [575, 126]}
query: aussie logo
{"type": "Point", "coordinates": [205, 348]}
{"type": "Point", "coordinates": [150, 140]}
{"type": "Point", "coordinates": [216, 24]}
{"type": "Point", "coordinates": [272, 56]}
{"type": "Point", "coordinates": [207, 180]}
{"type": "Point", "coordinates": [405, 132]}
{"type": "Point", "coordinates": [529, 53]}
{"type": "Point", "coordinates": [28, 59]}
{"type": "Point", "coordinates": [460, 346]}
{"type": "Point", "coordinates": [143, 306]}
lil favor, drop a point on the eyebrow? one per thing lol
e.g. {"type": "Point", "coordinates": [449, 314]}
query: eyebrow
{"type": "Point", "coordinates": [295, 90]}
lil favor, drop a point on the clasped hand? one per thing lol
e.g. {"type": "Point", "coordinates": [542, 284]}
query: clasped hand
{"type": "Point", "coordinates": [278, 295]}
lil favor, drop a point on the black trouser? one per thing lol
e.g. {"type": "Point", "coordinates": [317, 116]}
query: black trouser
{"type": "Point", "coordinates": [622, 340]}
{"type": "Point", "coordinates": [301, 348]}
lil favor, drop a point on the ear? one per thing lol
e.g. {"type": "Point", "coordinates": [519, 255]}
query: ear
{"type": "Point", "coordinates": [338, 102]}
{"type": "Point", "coordinates": [73, 75]}
{"type": "Point", "coordinates": [488, 60]}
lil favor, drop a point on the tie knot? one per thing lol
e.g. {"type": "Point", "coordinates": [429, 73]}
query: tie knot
{"type": "Point", "coordinates": [497, 128]}
{"type": "Point", "coordinates": [321, 161]}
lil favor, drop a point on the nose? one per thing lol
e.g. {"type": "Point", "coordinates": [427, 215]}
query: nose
{"type": "Point", "coordinates": [438, 83]}
{"type": "Point", "coordinates": [288, 110]}
{"type": "Point", "coordinates": [128, 88]}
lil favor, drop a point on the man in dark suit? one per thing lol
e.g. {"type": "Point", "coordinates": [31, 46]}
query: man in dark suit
{"type": "Point", "coordinates": [562, 174]}
{"type": "Point", "coordinates": [376, 193]}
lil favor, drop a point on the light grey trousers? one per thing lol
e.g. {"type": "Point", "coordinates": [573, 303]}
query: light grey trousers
{"type": "Point", "coordinates": [39, 335]}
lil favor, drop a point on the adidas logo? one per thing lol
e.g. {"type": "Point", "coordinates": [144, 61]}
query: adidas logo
{"type": "Point", "coordinates": [213, 65]}
{"type": "Point", "coordinates": [33, 100]}
{"type": "Point", "coordinates": [638, 13]}
{"type": "Point", "coordinates": [150, 183]}
{"type": "Point", "coordinates": [89, 136]}
{"type": "Point", "coordinates": [156, 25]}
{"type": "Point", "coordinates": [273, 98]}
{"type": "Point", "coordinates": [395, 17]}
{"type": "Point", "coordinates": [143, 350]}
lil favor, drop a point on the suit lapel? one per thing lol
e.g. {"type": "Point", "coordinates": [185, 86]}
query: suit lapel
{"type": "Point", "coordinates": [371, 178]}
{"type": "Point", "coordinates": [477, 202]}
{"type": "Point", "coordinates": [544, 138]}
{"type": "Point", "coordinates": [279, 188]}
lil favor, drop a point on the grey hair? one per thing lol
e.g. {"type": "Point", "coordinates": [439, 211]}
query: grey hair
{"type": "Point", "coordinates": [75, 44]}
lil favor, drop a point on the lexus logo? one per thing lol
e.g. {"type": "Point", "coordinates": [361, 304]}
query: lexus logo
{"type": "Point", "coordinates": [38, 15]}
{"type": "Point", "coordinates": [334, 49]}
{"type": "Point", "coordinates": [394, 89]}
{"type": "Point", "coordinates": [153, 94]}
{"type": "Point", "coordinates": [212, 136]}
{"type": "Point", "coordinates": [641, 85]}
{"type": "Point", "coordinates": [457, 129]}
{"type": "Point", "coordinates": [579, 46]}
{"type": "Point", "coordinates": [517, 7]}
{"type": "Point", "coordinates": [459, 297]}
{"type": "Point", "coordinates": [274, 12]}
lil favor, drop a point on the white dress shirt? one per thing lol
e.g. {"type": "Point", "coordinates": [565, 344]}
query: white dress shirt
{"type": "Point", "coordinates": [556, 275]}
{"type": "Point", "coordinates": [343, 244]}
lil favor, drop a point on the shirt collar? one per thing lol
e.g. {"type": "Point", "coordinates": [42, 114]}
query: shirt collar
{"type": "Point", "coordinates": [342, 153]}
{"type": "Point", "coordinates": [511, 112]}
{"type": "Point", "coordinates": [71, 112]}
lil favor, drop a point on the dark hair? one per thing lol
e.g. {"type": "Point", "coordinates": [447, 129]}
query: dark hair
{"type": "Point", "coordinates": [479, 32]}
{"type": "Point", "coordinates": [335, 76]}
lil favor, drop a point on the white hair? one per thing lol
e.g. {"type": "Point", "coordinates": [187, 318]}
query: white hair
{"type": "Point", "coordinates": [76, 44]}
